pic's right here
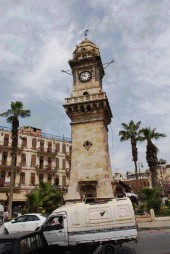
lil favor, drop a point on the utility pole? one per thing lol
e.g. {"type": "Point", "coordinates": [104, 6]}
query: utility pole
{"type": "Point", "coordinates": [140, 165]}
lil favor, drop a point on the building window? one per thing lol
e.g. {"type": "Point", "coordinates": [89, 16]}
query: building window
{"type": "Point", "coordinates": [41, 162]}
{"type": "Point", "coordinates": [33, 160]}
{"type": "Point", "coordinates": [34, 144]}
{"type": "Point", "coordinates": [70, 150]}
{"type": "Point", "coordinates": [64, 164]}
{"type": "Point", "coordinates": [49, 163]}
{"type": "Point", "coordinates": [49, 149]}
{"type": "Point", "coordinates": [22, 178]}
{"type": "Point", "coordinates": [41, 145]}
{"type": "Point", "coordinates": [4, 158]}
{"type": "Point", "coordinates": [23, 159]}
{"type": "Point", "coordinates": [57, 163]}
{"type": "Point", "coordinates": [2, 178]}
{"type": "Point", "coordinates": [57, 147]}
{"type": "Point", "coordinates": [63, 180]}
{"type": "Point", "coordinates": [49, 178]}
{"type": "Point", "coordinates": [64, 148]}
{"type": "Point", "coordinates": [6, 139]}
{"type": "Point", "coordinates": [41, 178]}
{"type": "Point", "coordinates": [57, 180]}
{"type": "Point", "coordinates": [32, 180]}
{"type": "Point", "coordinates": [24, 142]}
{"type": "Point", "coordinates": [9, 178]}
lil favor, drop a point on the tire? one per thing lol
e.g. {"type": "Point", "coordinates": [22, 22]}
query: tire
{"type": "Point", "coordinates": [108, 248]}
{"type": "Point", "coordinates": [6, 231]}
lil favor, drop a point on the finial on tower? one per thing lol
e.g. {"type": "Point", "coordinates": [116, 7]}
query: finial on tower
{"type": "Point", "coordinates": [85, 33]}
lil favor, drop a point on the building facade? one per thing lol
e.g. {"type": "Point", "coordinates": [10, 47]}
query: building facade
{"type": "Point", "coordinates": [90, 114]}
{"type": "Point", "coordinates": [144, 180]}
{"type": "Point", "coordinates": [163, 173]}
{"type": "Point", "coordinates": [40, 158]}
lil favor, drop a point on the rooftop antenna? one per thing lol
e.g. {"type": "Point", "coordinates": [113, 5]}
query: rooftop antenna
{"type": "Point", "coordinates": [67, 71]}
{"type": "Point", "coordinates": [107, 64]}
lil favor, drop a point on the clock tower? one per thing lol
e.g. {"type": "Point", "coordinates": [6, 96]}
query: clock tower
{"type": "Point", "coordinates": [90, 114]}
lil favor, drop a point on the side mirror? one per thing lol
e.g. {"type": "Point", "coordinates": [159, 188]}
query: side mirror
{"type": "Point", "coordinates": [13, 221]}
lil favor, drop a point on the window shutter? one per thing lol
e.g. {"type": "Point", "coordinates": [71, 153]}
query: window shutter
{"type": "Point", "coordinates": [34, 144]}
{"type": "Point", "coordinates": [33, 160]}
{"type": "Point", "coordinates": [64, 148]}
{"type": "Point", "coordinates": [58, 147]}
{"type": "Point", "coordinates": [64, 164]}
{"type": "Point", "coordinates": [57, 162]}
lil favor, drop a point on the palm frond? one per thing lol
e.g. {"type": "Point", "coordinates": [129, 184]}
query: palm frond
{"type": "Point", "coordinates": [10, 119]}
{"type": "Point", "coordinates": [25, 113]}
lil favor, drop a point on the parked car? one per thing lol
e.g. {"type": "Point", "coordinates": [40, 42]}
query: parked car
{"type": "Point", "coordinates": [27, 222]}
{"type": "Point", "coordinates": [22, 243]}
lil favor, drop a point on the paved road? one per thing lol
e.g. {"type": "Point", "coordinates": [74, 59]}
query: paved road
{"type": "Point", "coordinates": [152, 242]}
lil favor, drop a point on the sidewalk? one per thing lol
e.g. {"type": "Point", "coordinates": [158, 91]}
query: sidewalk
{"type": "Point", "coordinates": [154, 225]}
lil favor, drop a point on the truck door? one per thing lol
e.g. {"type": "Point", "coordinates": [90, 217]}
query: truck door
{"type": "Point", "coordinates": [55, 230]}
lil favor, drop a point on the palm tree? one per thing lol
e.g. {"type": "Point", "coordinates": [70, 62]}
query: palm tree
{"type": "Point", "coordinates": [151, 151]}
{"type": "Point", "coordinates": [12, 116]}
{"type": "Point", "coordinates": [131, 133]}
{"type": "Point", "coordinates": [46, 197]}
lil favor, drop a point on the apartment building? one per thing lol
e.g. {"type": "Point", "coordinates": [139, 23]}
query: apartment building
{"type": "Point", "coordinates": [163, 173]}
{"type": "Point", "coordinates": [40, 158]}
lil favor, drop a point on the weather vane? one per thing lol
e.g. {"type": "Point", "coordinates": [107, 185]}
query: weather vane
{"type": "Point", "coordinates": [86, 32]}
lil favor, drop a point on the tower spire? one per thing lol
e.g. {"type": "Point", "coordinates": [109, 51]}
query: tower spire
{"type": "Point", "coordinates": [86, 33]}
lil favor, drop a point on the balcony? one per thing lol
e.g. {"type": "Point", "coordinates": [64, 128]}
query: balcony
{"type": "Point", "coordinates": [47, 151]}
{"type": "Point", "coordinates": [8, 167]}
{"type": "Point", "coordinates": [7, 146]}
{"type": "Point", "coordinates": [84, 98]}
{"type": "Point", "coordinates": [47, 169]}
{"type": "Point", "coordinates": [5, 187]}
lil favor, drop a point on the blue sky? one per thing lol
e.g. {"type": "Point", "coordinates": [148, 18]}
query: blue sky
{"type": "Point", "coordinates": [38, 38]}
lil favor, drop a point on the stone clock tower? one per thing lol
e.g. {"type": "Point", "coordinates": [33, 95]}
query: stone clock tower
{"type": "Point", "coordinates": [90, 114]}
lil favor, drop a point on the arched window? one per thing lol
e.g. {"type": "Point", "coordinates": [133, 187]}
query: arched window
{"type": "Point", "coordinates": [82, 108]}
{"type": "Point", "coordinates": [75, 108]}
{"type": "Point", "coordinates": [88, 108]}
{"type": "Point", "coordinates": [69, 109]}
{"type": "Point", "coordinates": [85, 93]}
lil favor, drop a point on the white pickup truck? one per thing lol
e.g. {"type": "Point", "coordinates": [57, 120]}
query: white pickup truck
{"type": "Point", "coordinates": [101, 225]}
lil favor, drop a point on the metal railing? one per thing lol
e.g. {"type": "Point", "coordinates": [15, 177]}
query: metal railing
{"type": "Point", "coordinates": [41, 135]}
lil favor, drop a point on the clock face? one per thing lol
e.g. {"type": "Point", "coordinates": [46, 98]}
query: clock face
{"type": "Point", "coordinates": [85, 76]}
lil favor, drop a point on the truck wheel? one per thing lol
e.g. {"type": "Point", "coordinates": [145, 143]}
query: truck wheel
{"type": "Point", "coordinates": [109, 248]}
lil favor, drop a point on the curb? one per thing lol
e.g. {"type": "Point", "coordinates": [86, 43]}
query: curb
{"type": "Point", "coordinates": [153, 228]}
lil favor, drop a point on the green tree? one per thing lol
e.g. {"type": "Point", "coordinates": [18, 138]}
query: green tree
{"type": "Point", "coordinates": [34, 201]}
{"type": "Point", "coordinates": [46, 197]}
{"type": "Point", "coordinates": [131, 132]}
{"type": "Point", "coordinates": [151, 198]}
{"type": "Point", "coordinates": [149, 134]}
{"type": "Point", "coordinates": [12, 116]}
